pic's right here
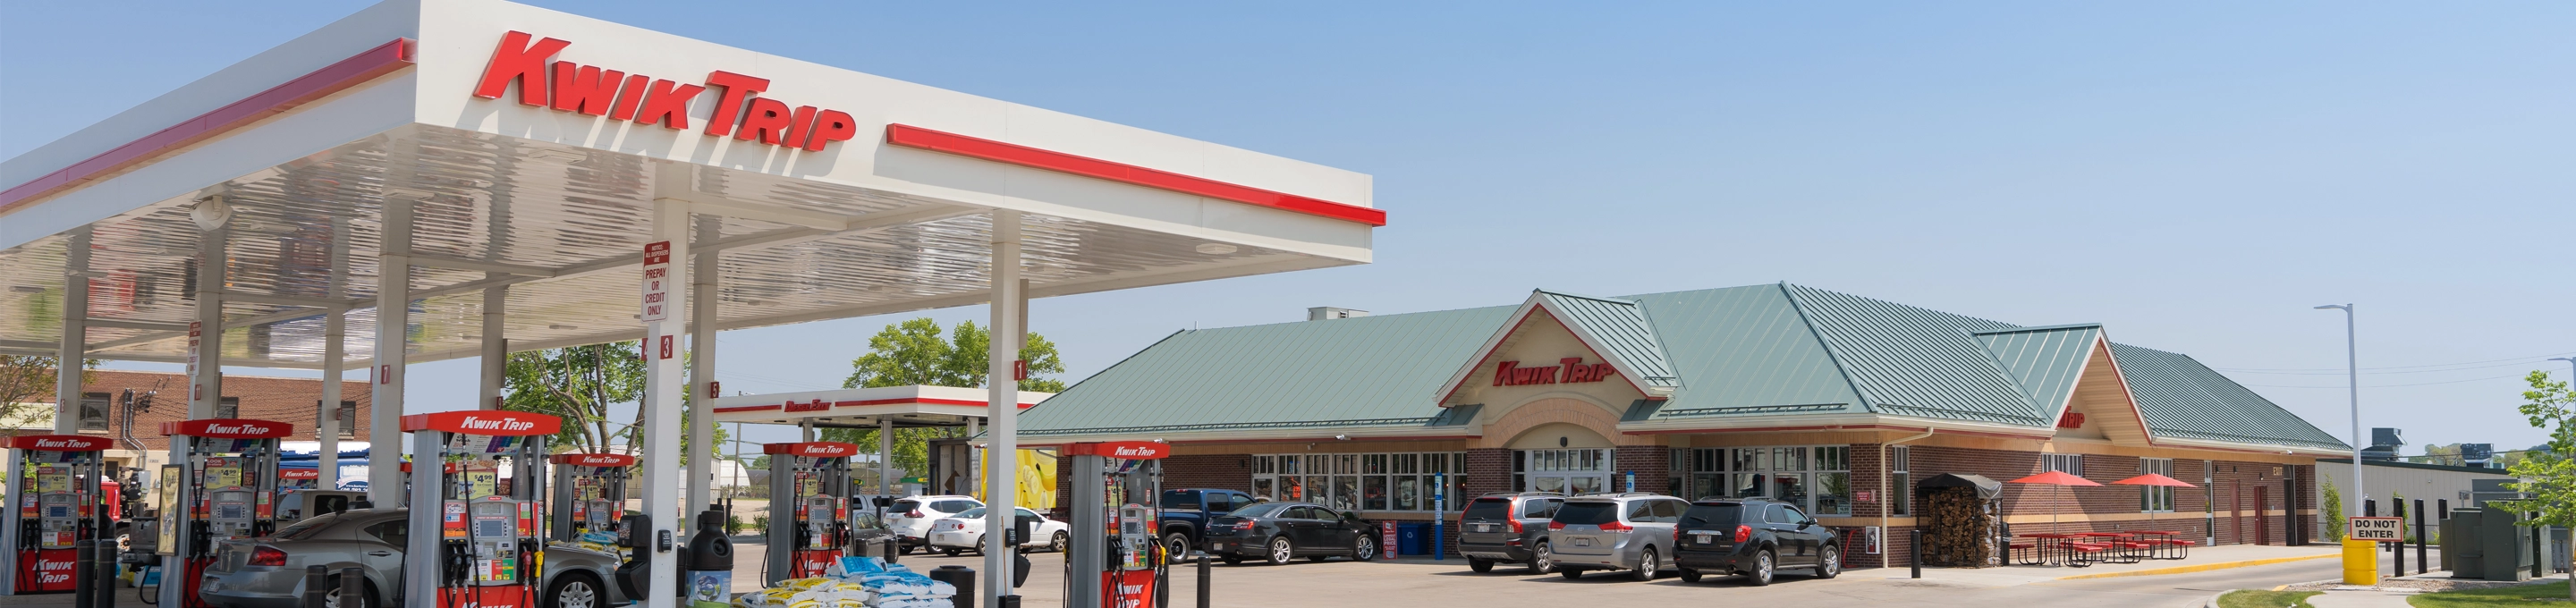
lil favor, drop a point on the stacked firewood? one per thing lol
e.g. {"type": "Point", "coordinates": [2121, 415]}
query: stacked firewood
{"type": "Point", "coordinates": [1957, 529]}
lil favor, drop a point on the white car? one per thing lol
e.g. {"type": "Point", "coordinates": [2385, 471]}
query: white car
{"type": "Point", "coordinates": [910, 518]}
{"type": "Point", "coordinates": [965, 531]}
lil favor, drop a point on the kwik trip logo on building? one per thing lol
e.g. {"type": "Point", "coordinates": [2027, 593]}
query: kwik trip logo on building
{"type": "Point", "coordinates": [570, 87]}
{"type": "Point", "coordinates": [1569, 370]}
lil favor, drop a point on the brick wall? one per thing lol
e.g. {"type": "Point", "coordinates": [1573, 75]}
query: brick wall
{"type": "Point", "coordinates": [289, 400]}
{"type": "Point", "coordinates": [1649, 462]}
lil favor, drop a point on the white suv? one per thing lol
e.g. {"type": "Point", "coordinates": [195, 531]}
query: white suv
{"type": "Point", "coordinates": [911, 517]}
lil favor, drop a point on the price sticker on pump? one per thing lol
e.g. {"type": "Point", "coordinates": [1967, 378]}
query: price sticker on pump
{"type": "Point", "coordinates": [2382, 529]}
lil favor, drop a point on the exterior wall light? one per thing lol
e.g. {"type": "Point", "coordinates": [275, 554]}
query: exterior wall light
{"type": "Point", "coordinates": [211, 212]}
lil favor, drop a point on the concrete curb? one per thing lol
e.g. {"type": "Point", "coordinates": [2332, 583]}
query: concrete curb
{"type": "Point", "coordinates": [2202, 567]}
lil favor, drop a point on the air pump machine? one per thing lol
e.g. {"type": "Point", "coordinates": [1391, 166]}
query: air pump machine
{"type": "Point", "coordinates": [482, 533]}
{"type": "Point", "coordinates": [589, 498]}
{"type": "Point", "coordinates": [813, 478]}
{"type": "Point", "coordinates": [1116, 558]}
{"type": "Point", "coordinates": [226, 469]}
{"type": "Point", "coordinates": [56, 503]}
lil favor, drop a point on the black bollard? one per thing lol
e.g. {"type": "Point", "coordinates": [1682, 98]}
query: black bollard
{"type": "Point", "coordinates": [353, 588]}
{"type": "Point", "coordinates": [961, 577]}
{"type": "Point", "coordinates": [84, 563]}
{"type": "Point", "coordinates": [105, 574]}
{"type": "Point", "coordinates": [2444, 504]}
{"type": "Point", "coordinates": [1914, 545]}
{"type": "Point", "coordinates": [317, 586]}
{"type": "Point", "coordinates": [1203, 579]}
{"type": "Point", "coordinates": [2421, 566]}
{"type": "Point", "coordinates": [2397, 550]}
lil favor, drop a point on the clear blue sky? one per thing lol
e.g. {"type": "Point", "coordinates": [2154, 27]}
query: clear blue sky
{"type": "Point", "coordinates": [2193, 175]}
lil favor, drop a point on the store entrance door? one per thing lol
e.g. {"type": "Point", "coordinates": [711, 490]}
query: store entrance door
{"type": "Point", "coordinates": [1569, 471]}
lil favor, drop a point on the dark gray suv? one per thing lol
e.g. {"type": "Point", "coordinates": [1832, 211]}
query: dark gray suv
{"type": "Point", "coordinates": [1509, 527]}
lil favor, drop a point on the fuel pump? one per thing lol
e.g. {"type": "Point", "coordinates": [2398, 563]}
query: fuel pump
{"type": "Point", "coordinates": [482, 532]}
{"type": "Point", "coordinates": [1116, 557]}
{"type": "Point", "coordinates": [226, 470]}
{"type": "Point", "coordinates": [54, 486]}
{"type": "Point", "coordinates": [813, 480]}
{"type": "Point", "coordinates": [589, 498]}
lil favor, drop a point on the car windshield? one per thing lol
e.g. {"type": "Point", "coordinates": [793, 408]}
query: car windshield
{"type": "Point", "coordinates": [1721, 516]}
{"type": "Point", "coordinates": [1260, 509]}
{"type": "Point", "coordinates": [1588, 513]}
{"type": "Point", "coordinates": [306, 529]}
{"type": "Point", "coordinates": [906, 505]}
{"type": "Point", "coordinates": [974, 513]}
{"type": "Point", "coordinates": [864, 520]}
{"type": "Point", "coordinates": [1489, 508]}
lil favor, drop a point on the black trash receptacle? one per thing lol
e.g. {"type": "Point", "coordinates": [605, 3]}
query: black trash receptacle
{"type": "Point", "coordinates": [961, 577]}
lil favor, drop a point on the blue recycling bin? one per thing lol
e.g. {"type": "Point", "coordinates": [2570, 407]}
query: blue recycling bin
{"type": "Point", "coordinates": [1413, 538]}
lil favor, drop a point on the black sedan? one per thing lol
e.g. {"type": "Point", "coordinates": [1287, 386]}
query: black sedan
{"type": "Point", "coordinates": [1279, 531]}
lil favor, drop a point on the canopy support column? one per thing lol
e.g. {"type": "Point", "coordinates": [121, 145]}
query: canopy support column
{"type": "Point", "coordinates": [662, 387]}
{"type": "Point", "coordinates": [702, 369]}
{"type": "Point", "coordinates": [1002, 378]}
{"type": "Point", "coordinates": [335, 335]}
{"type": "Point", "coordinates": [393, 319]}
{"type": "Point", "coordinates": [885, 457]}
{"type": "Point", "coordinates": [496, 349]}
{"type": "Point", "coordinates": [75, 345]}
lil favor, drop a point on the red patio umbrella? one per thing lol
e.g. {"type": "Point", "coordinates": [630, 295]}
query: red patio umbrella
{"type": "Point", "coordinates": [2152, 479]}
{"type": "Point", "coordinates": [2057, 478]}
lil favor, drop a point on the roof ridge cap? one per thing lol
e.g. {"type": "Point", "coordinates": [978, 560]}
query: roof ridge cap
{"type": "Point", "coordinates": [1594, 298]}
{"type": "Point", "coordinates": [2017, 329]}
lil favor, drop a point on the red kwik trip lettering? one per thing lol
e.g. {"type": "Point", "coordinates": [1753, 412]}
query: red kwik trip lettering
{"type": "Point", "coordinates": [628, 95]}
{"type": "Point", "coordinates": [796, 130]}
{"type": "Point", "coordinates": [766, 120]}
{"type": "Point", "coordinates": [518, 60]}
{"type": "Point", "coordinates": [1570, 370]}
{"type": "Point", "coordinates": [831, 126]}
{"type": "Point", "coordinates": [729, 107]}
{"type": "Point", "coordinates": [668, 105]}
{"type": "Point", "coordinates": [584, 89]}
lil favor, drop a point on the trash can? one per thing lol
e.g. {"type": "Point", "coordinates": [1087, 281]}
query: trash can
{"type": "Point", "coordinates": [1412, 538]}
{"type": "Point", "coordinates": [961, 577]}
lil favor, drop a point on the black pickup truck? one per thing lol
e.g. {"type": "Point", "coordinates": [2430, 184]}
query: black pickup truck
{"type": "Point", "coordinates": [1186, 513]}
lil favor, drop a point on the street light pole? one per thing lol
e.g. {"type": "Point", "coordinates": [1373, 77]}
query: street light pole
{"type": "Point", "coordinates": [2352, 370]}
{"type": "Point", "coordinates": [2571, 366]}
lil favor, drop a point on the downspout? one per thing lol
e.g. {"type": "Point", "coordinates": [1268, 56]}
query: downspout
{"type": "Point", "coordinates": [1883, 495]}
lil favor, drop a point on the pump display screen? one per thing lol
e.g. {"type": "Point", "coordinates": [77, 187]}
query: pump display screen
{"type": "Point", "coordinates": [58, 511]}
{"type": "Point", "coordinates": [232, 511]}
{"type": "Point", "coordinates": [492, 528]}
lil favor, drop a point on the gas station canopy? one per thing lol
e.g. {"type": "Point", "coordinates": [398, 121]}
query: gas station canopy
{"type": "Point", "coordinates": [897, 406]}
{"type": "Point", "coordinates": [529, 148]}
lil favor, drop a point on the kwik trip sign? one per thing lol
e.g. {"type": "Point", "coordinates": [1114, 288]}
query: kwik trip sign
{"type": "Point", "coordinates": [1130, 450]}
{"type": "Point", "coordinates": [1570, 370]}
{"type": "Point", "coordinates": [231, 428]}
{"type": "Point", "coordinates": [484, 422]}
{"type": "Point", "coordinates": [59, 443]}
{"type": "Point", "coordinates": [570, 87]}
{"type": "Point", "coordinates": [818, 449]}
{"type": "Point", "coordinates": [595, 460]}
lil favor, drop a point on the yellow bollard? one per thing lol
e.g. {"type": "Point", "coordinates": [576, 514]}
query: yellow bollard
{"type": "Point", "coordinates": [2360, 562]}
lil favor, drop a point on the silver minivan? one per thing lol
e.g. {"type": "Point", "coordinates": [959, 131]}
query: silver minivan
{"type": "Point", "coordinates": [1632, 532]}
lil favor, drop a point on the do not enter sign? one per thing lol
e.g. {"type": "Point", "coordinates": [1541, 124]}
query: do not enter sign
{"type": "Point", "coordinates": [2382, 529]}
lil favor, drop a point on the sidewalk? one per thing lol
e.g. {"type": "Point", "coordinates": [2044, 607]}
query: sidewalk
{"type": "Point", "coordinates": [2392, 592]}
{"type": "Point", "coordinates": [2202, 559]}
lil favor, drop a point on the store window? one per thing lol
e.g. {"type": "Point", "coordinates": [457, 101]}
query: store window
{"type": "Point", "coordinates": [347, 415]}
{"type": "Point", "coordinates": [1571, 472]}
{"type": "Point", "coordinates": [1900, 480]}
{"type": "Point", "coordinates": [228, 407]}
{"type": "Point", "coordinates": [93, 411]}
{"type": "Point", "coordinates": [1816, 478]}
{"type": "Point", "coordinates": [2071, 464]}
{"type": "Point", "coordinates": [1361, 482]}
{"type": "Point", "coordinates": [2155, 499]}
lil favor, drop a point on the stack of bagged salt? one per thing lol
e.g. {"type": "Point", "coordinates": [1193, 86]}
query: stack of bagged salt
{"type": "Point", "coordinates": [893, 585]}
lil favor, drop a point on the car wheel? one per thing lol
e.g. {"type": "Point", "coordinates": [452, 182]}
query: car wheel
{"type": "Point", "coordinates": [979, 545]}
{"type": "Point", "coordinates": [902, 549]}
{"type": "Point", "coordinates": [366, 598]}
{"type": "Point", "coordinates": [1281, 551]}
{"type": "Point", "coordinates": [575, 591]}
{"type": "Point", "coordinates": [1646, 566]}
{"type": "Point", "coordinates": [1060, 542]}
{"type": "Point", "coordinates": [1232, 560]}
{"type": "Point", "coordinates": [1690, 576]}
{"type": "Point", "coordinates": [1481, 566]}
{"type": "Point", "coordinates": [1830, 563]}
{"type": "Point", "coordinates": [1570, 573]}
{"type": "Point", "coordinates": [951, 552]}
{"type": "Point", "coordinates": [1761, 573]}
{"type": "Point", "coordinates": [1542, 558]}
{"type": "Point", "coordinates": [1365, 549]}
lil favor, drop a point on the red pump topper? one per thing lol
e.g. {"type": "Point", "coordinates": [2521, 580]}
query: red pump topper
{"type": "Point", "coordinates": [1139, 561]}
{"type": "Point", "coordinates": [487, 542]}
{"type": "Point", "coordinates": [227, 476]}
{"type": "Point", "coordinates": [813, 478]}
{"type": "Point", "coordinates": [54, 483]}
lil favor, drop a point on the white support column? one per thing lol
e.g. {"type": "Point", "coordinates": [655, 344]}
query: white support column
{"type": "Point", "coordinates": [206, 334]}
{"type": "Point", "coordinates": [885, 457]}
{"type": "Point", "coordinates": [662, 387]}
{"type": "Point", "coordinates": [495, 355]}
{"type": "Point", "coordinates": [974, 457]}
{"type": "Point", "coordinates": [75, 344]}
{"type": "Point", "coordinates": [335, 334]}
{"type": "Point", "coordinates": [1004, 400]}
{"type": "Point", "coordinates": [702, 370]}
{"type": "Point", "coordinates": [393, 318]}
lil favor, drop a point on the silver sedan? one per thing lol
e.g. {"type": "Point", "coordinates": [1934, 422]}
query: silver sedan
{"type": "Point", "coordinates": [268, 572]}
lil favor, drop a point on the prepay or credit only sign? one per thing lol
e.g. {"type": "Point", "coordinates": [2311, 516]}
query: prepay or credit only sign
{"type": "Point", "coordinates": [2382, 529]}
{"type": "Point", "coordinates": [657, 281]}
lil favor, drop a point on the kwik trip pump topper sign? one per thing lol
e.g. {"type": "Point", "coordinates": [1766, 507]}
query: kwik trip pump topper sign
{"type": "Point", "coordinates": [570, 87]}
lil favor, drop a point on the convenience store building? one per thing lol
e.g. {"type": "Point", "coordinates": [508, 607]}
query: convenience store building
{"type": "Point", "coordinates": [1835, 402]}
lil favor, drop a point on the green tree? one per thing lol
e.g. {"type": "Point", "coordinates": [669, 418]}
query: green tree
{"type": "Point", "coordinates": [2334, 515]}
{"type": "Point", "coordinates": [913, 352]}
{"type": "Point", "coordinates": [22, 380]}
{"type": "Point", "coordinates": [577, 383]}
{"type": "Point", "coordinates": [2549, 477]}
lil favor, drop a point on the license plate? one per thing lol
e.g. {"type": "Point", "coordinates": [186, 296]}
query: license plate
{"type": "Point", "coordinates": [1484, 527]}
{"type": "Point", "coordinates": [1583, 542]}
{"type": "Point", "coordinates": [1704, 538]}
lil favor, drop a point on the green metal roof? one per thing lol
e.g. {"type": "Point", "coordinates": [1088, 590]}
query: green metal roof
{"type": "Point", "coordinates": [2046, 361]}
{"type": "Point", "coordinates": [1619, 327]}
{"type": "Point", "coordinates": [2182, 398]}
{"type": "Point", "coordinates": [1736, 351]}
